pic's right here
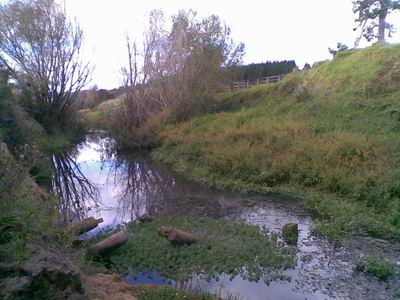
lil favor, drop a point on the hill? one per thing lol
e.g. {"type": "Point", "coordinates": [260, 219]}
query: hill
{"type": "Point", "coordinates": [330, 135]}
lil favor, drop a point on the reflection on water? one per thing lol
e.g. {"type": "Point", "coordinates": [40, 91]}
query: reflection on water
{"type": "Point", "coordinates": [95, 181]}
{"type": "Point", "coordinates": [121, 188]}
{"type": "Point", "coordinates": [76, 193]}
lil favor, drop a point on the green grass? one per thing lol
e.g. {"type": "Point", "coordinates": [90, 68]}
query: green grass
{"type": "Point", "coordinates": [101, 116]}
{"type": "Point", "coordinates": [168, 293]}
{"type": "Point", "coordinates": [222, 247]}
{"type": "Point", "coordinates": [27, 216]}
{"type": "Point", "coordinates": [330, 135]}
{"type": "Point", "coordinates": [27, 213]}
{"type": "Point", "coordinates": [374, 266]}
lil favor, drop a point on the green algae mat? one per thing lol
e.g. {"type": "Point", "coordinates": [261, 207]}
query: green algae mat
{"type": "Point", "coordinates": [223, 247]}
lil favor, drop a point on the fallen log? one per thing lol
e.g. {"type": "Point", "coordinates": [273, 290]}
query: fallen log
{"type": "Point", "coordinates": [176, 236]}
{"type": "Point", "coordinates": [83, 226]}
{"type": "Point", "coordinates": [112, 242]}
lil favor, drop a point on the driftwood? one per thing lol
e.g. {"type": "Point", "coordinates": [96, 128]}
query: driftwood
{"type": "Point", "coordinates": [176, 236]}
{"type": "Point", "coordinates": [112, 242]}
{"type": "Point", "coordinates": [83, 226]}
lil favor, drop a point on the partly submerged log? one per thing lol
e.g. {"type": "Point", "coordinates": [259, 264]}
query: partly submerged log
{"type": "Point", "coordinates": [112, 242]}
{"type": "Point", "coordinates": [83, 226]}
{"type": "Point", "coordinates": [176, 236]}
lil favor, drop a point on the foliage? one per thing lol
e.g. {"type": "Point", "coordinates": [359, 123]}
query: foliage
{"type": "Point", "coordinates": [178, 70]}
{"type": "Point", "coordinates": [40, 48]}
{"type": "Point", "coordinates": [374, 266]}
{"type": "Point", "coordinates": [337, 148]}
{"type": "Point", "coordinates": [255, 255]}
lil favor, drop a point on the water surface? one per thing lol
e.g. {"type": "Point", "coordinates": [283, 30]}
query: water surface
{"type": "Point", "coordinates": [121, 188]}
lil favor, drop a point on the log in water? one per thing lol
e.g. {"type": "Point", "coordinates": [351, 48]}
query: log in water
{"type": "Point", "coordinates": [112, 242]}
{"type": "Point", "coordinates": [83, 226]}
{"type": "Point", "coordinates": [176, 236]}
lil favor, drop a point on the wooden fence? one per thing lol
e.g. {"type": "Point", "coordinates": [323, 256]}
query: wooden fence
{"type": "Point", "coordinates": [236, 85]}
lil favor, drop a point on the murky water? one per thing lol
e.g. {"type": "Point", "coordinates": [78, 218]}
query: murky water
{"type": "Point", "coordinates": [120, 189]}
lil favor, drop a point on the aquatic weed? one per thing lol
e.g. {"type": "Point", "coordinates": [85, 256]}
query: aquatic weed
{"type": "Point", "coordinates": [223, 247]}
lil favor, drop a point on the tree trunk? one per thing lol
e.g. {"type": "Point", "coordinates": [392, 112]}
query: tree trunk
{"type": "Point", "coordinates": [382, 26]}
{"type": "Point", "coordinates": [112, 242]}
{"type": "Point", "coordinates": [83, 226]}
{"type": "Point", "coordinates": [176, 236]}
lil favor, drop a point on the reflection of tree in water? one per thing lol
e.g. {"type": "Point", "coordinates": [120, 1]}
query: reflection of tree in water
{"type": "Point", "coordinates": [149, 189]}
{"type": "Point", "coordinates": [143, 187]}
{"type": "Point", "coordinates": [75, 192]}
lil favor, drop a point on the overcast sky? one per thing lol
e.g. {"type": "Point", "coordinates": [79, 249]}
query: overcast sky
{"type": "Point", "coordinates": [270, 29]}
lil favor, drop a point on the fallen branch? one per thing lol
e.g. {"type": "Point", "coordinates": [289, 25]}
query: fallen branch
{"type": "Point", "coordinates": [83, 226]}
{"type": "Point", "coordinates": [112, 242]}
{"type": "Point", "coordinates": [176, 236]}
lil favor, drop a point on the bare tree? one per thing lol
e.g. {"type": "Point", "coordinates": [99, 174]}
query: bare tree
{"type": "Point", "coordinates": [41, 49]}
{"type": "Point", "coordinates": [175, 72]}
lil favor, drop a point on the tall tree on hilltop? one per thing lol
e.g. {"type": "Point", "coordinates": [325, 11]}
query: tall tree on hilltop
{"type": "Point", "coordinates": [372, 16]}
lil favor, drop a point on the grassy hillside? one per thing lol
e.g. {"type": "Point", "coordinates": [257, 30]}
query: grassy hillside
{"type": "Point", "coordinates": [330, 135]}
{"type": "Point", "coordinates": [99, 117]}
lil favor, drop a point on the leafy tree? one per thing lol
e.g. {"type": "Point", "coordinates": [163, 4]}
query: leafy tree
{"type": "Point", "coordinates": [40, 48]}
{"type": "Point", "coordinates": [372, 16]}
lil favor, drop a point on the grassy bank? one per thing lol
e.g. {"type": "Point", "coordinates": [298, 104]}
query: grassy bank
{"type": "Point", "coordinates": [27, 213]}
{"type": "Point", "coordinates": [330, 135]}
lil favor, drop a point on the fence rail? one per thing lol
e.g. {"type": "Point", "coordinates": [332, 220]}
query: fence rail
{"type": "Point", "coordinates": [236, 85]}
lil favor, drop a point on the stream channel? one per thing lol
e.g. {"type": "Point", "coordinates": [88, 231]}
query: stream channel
{"type": "Point", "coordinates": [121, 188]}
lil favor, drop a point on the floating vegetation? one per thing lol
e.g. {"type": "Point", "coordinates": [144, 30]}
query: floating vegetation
{"type": "Point", "coordinates": [223, 247]}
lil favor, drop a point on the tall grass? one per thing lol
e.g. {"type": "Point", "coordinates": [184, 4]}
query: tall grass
{"type": "Point", "coordinates": [330, 134]}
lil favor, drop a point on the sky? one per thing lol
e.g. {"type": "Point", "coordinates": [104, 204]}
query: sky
{"type": "Point", "coordinates": [271, 29]}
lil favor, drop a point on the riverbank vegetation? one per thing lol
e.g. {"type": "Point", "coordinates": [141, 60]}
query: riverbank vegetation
{"type": "Point", "coordinates": [329, 135]}
{"type": "Point", "coordinates": [40, 76]}
{"type": "Point", "coordinates": [174, 75]}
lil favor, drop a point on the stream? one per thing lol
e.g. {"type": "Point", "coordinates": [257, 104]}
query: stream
{"type": "Point", "coordinates": [94, 181]}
